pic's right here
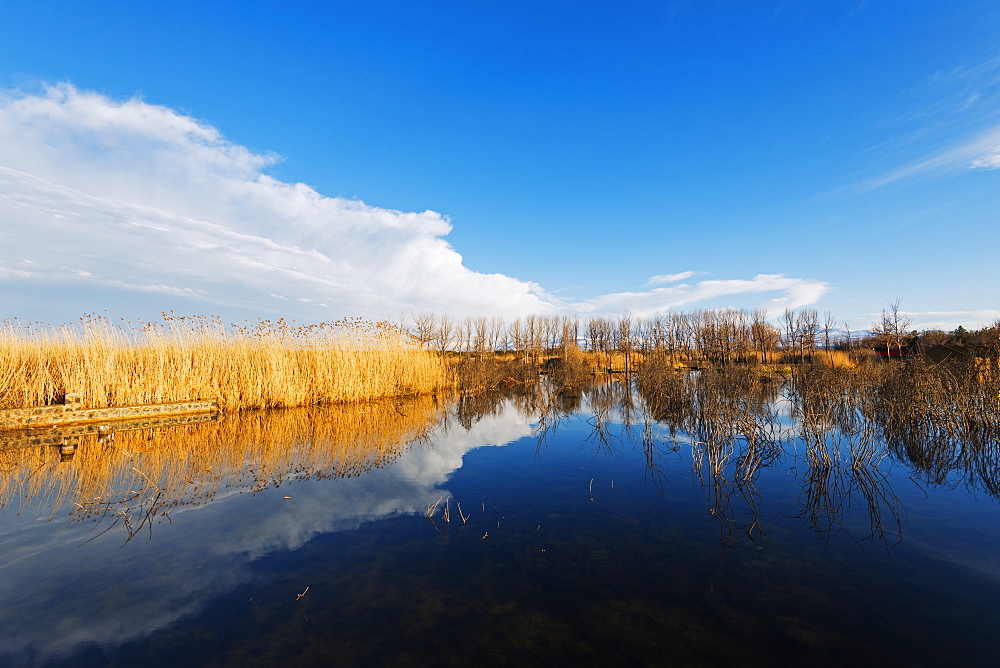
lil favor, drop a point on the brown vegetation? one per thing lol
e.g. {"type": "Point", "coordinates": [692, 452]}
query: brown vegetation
{"type": "Point", "coordinates": [265, 365]}
{"type": "Point", "coordinates": [694, 340]}
{"type": "Point", "coordinates": [275, 364]}
{"type": "Point", "coordinates": [135, 476]}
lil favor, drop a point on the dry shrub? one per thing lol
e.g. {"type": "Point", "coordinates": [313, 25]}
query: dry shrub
{"type": "Point", "coordinates": [475, 374]}
{"type": "Point", "coordinates": [573, 368]}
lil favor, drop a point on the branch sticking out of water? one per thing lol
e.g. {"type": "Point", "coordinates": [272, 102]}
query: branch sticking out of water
{"type": "Point", "coordinates": [432, 507]}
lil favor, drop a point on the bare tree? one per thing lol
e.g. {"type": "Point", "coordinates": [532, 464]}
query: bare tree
{"type": "Point", "coordinates": [480, 334]}
{"type": "Point", "coordinates": [463, 334]}
{"type": "Point", "coordinates": [535, 331]}
{"type": "Point", "coordinates": [655, 336]}
{"type": "Point", "coordinates": [624, 338]}
{"type": "Point", "coordinates": [515, 333]}
{"type": "Point", "coordinates": [569, 332]}
{"type": "Point", "coordinates": [892, 328]}
{"type": "Point", "coordinates": [764, 336]}
{"type": "Point", "coordinates": [801, 328]}
{"type": "Point", "coordinates": [829, 322]}
{"type": "Point", "coordinates": [444, 334]}
{"type": "Point", "coordinates": [599, 331]}
{"type": "Point", "coordinates": [809, 329]}
{"type": "Point", "coordinates": [495, 333]}
{"type": "Point", "coordinates": [424, 323]}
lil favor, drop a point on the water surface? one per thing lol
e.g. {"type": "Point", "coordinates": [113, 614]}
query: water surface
{"type": "Point", "coordinates": [576, 527]}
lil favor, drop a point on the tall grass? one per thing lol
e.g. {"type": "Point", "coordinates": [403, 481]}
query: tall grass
{"type": "Point", "coordinates": [264, 365]}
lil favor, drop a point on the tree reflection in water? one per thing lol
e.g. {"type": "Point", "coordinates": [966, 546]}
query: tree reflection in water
{"type": "Point", "coordinates": [942, 422]}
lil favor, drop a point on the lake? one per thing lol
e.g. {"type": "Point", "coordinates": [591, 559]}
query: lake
{"type": "Point", "coordinates": [525, 528]}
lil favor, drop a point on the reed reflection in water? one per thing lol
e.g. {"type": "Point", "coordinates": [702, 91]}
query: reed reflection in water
{"type": "Point", "coordinates": [137, 477]}
{"type": "Point", "coordinates": [204, 503]}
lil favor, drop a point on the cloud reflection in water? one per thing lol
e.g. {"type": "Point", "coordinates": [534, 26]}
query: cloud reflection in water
{"type": "Point", "coordinates": [60, 595]}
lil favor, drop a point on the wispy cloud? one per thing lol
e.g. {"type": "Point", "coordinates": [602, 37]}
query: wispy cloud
{"type": "Point", "coordinates": [952, 127]}
{"type": "Point", "coordinates": [670, 278]}
{"type": "Point", "coordinates": [980, 152]}
{"type": "Point", "coordinates": [793, 293]}
{"type": "Point", "coordinates": [112, 200]}
{"type": "Point", "coordinates": [991, 160]}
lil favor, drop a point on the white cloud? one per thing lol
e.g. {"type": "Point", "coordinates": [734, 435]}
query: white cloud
{"type": "Point", "coordinates": [113, 202]}
{"type": "Point", "coordinates": [981, 152]}
{"type": "Point", "coordinates": [951, 126]}
{"type": "Point", "coordinates": [989, 161]}
{"type": "Point", "coordinates": [796, 292]}
{"type": "Point", "coordinates": [670, 278]}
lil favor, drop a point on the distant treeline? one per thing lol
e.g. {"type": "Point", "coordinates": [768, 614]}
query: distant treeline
{"type": "Point", "coordinates": [719, 336]}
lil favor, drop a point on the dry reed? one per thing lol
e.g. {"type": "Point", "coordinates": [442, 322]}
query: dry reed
{"type": "Point", "coordinates": [836, 359]}
{"type": "Point", "coordinates": [264, 365]}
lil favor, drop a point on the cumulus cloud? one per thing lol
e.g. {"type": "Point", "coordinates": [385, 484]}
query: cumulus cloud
{"type": "Point", "coordinates": [123, 205]}
{"type": "Point", "coordinates": [140, 197]}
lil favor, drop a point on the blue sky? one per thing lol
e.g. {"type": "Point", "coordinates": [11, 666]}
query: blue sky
{"type": "Point", "coordinates": [561, 157]}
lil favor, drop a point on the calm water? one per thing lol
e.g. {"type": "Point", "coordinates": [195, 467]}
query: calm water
{"type": "Point", "coordinates": [586, 531]}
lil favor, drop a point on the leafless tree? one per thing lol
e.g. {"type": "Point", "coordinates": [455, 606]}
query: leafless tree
{"type": "Point", "coordinates": [801, 328]}
{"type": "Point", "coordinates": [495, 333]}
{"type": "Point", "coordinates": [516, 335]}
{"type": "Point", "coordinates": [600, 334]}
{"type": "Point", "coordinates": [892, 328]}
{"type": "Point", "coordinates": [444, 333]}
{"type": "Point", "coordinates": [763, 335]}
{"type": "Point", "coordinates": [623, 338]}
{"type": "Point", "coordinates": [829, 322]}
{"type": "Point", "coordinates": [424, 323]}
{"type": "Point", "coordinates": [569, 332]}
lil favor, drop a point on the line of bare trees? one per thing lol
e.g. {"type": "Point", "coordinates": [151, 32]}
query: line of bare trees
{"type": "Point", "coordinates": [719, 336]}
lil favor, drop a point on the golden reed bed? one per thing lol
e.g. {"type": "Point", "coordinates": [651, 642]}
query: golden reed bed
{"type": "Point", "coordinates": [268, 364]}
